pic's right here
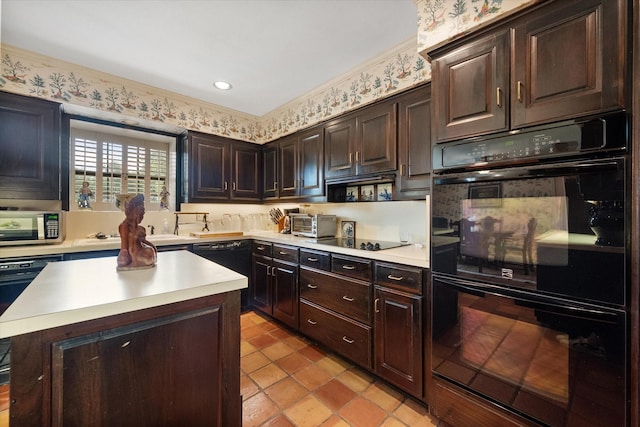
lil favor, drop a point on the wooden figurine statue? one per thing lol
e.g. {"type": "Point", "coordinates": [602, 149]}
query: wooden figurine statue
{"type": "Point", "coordinates": [136, 251]}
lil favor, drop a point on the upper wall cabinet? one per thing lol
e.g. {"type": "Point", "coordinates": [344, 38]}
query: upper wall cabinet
{"type": "Point", "coordinates": [362, 143]}
{"type": "Point", "coordinates": [221, 169]}
{"type": "Point", "coordinates": [293, 167]}
{"type": "Point", "coordinates": [29, 148]}
{"type": "Point", "coordinates": [414, 144]}
{"type": "Point", "coordinates": [559, 61]}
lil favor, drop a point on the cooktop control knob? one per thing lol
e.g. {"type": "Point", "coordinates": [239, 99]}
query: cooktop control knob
{"type": "Point", "coordinates": [376, 247]}
{"type": "Point", "coordinates": [363, 245]}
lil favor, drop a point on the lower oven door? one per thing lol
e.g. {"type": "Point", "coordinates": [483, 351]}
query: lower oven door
{"type": "Point", "coordinates": [550, 360]}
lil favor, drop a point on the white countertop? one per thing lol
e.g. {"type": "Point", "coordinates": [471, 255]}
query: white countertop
{"type": "Point", "coordinates": [75, 291]}
{"type": "Point", "coordinates": [413, 255]}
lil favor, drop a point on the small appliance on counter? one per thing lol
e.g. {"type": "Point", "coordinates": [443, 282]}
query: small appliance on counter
{"type": "Point", "coordinates": [30, 227]}
{"type": "Point", "coordinates": [315, 226]}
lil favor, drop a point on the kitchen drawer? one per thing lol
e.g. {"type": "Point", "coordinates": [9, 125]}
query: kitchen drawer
{"type": "Point", "coordinates": [408, 279]}
{"type": "Point", "coordinates": [341, 334]}
{"type": "Point", "coordinates": [357, 268]}
{"type": "Point", "coordinates": [348, 297]}
{"type": "Point", "coordinates": [285, 253]}
{"type": "Point", "coordinates": [262, 248]}
{"type": "Point", "coordinates": [315, 259]}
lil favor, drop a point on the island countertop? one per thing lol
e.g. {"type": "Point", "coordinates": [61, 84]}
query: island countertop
{"type": "Point", "coordinates": [75, 291]}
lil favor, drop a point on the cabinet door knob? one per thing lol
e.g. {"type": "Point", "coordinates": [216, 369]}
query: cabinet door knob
{"type": "Point", "coordinates": [346, 298]}
{"type": "Point", "coordinates": [347, 340]}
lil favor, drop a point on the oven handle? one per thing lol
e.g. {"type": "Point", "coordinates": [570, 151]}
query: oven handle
{"type": "Point", "coordinates": [535, 171]}
{"type": "Point", "coordinates": [539, 302]}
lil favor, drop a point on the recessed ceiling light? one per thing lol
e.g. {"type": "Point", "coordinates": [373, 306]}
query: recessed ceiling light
{"type": "Point", "coordinates": [222, 85]}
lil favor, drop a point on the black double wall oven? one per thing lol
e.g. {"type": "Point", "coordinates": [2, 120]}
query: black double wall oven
{"type": "Point", "coordinates": [530, 283]}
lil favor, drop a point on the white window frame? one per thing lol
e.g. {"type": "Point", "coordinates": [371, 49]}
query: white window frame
{"type": "Point", "coordinates": [144, 142]}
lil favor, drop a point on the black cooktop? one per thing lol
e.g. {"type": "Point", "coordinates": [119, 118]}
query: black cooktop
{"type": "Point", "coordinates": [364, 244]}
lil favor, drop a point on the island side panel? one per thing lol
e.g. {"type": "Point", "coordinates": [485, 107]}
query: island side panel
{"type": "Point", "coordinates": [184, 356]}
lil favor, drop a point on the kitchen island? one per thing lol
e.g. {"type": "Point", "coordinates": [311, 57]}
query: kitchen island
{"type": "Point", "coordinates": [159, 346]}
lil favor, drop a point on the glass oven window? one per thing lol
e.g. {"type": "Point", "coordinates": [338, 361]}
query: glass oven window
{"type": "Point", "coordinates": [532, 356]}
{"type": "Point", "coordinates": [558, 230]}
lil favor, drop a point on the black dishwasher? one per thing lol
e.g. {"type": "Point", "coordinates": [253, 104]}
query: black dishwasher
{"type": "Point", "coordinates": [234, 255]}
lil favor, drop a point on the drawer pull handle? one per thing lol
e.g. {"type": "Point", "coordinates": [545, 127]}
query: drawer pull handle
{"type": "Point", "coordinates": [260, 248]}
{"type": "Point", "coordinates": [392, 277]}
{"type": "Point", "coordinates": [347, 340]}
{"type": "Point", "coordinates": [282, 253]}
{"type": "Point", "coordinates": [312, 259]}
{"type": "Point", "coordinates": [312, 322]}
{"type": "Point", "coordinates": [346, 298]}
{"type": "Point", "coordinates": [348, 267]}
{"type": "Point", "coordinates": [310, 286]}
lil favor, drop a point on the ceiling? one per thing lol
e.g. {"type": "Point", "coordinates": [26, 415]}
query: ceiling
{"type": "Point", "coordinates": [271, 51]}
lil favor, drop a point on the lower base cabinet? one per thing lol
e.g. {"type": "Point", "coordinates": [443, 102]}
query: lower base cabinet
{"type": "Point", "coordinates": [398, 339]}
{"type": "Point", "coordinates": [341, 334]}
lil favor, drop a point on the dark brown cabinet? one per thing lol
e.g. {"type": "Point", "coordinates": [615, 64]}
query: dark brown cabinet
{"type": "Point", "coordinates": [294, 166]}
{"type": "Point", "coordinates": [148, 367]}
{"type": "Point", "coordinates": [470, 88]}
{"type": "Point", "coordinates": [562, 60]}
{"type": "Point", "coordinates": [270, 171]}
{"type": "Point", "coordinates": [362, 143]}
{"type": "Point", "coordinates": [398, 330]}
{"type": "Point", "coordinates": [221, 169]}
{"type": "Point", "coordinates": [30, 156]}
{"type": "Point", "coordinates": [414, 144]}
{"type": "Point", "coordinates": [274, 288]}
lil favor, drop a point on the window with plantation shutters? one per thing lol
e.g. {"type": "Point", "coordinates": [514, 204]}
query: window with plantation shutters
{"type": "Point", "coordinates": [115, 164]}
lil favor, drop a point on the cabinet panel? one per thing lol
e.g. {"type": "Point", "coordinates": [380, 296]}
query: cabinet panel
{"type": "Point", "coordinates": [398, 339]}
{"type": "Point", "coordinates": [285, 252]}
{"type": "Point", "coordinates": [349, 297]}
{"type": "Point", "coordinates": [261, 283]}
{"type": "Point", "coordinates": [339, 333]}
{"type": "Point", "coordinates": [209, 167]}
{"type": "Point", "coordinates": [270, 171]}
{"type": "Point", "coordinates": [29, 148]}
{"type": "Point", "coordinates": [358, 268]}
{"type": "Point", "coordinates": [245, 164]}
{"type": "Point", "coordinates": [315, 259]}
{"type": "Point", "coordinates": [288, 158]}
{"type": "Point", "coordinates": [312, 163]}
{"type": "Point", "coordinates": [339, 140]}
{"type": "Point", "coordinates": [376, 148]}
{"type": "Point", "coordinates": [470, 88]}
{"type": "Point", "coordinates": [414, 144]}
{"type": "Point", "coordinates": [568, 61]}
{"type": "Point", "coordinates": [285, 293]}
{"type": "Point", "coordinates": [141, 362]}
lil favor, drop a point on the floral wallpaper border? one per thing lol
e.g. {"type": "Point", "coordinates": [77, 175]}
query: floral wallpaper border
{"type": "Point", "coordinates": [444, 20]}
{"type": "Point", "coordinates": [32, 74]}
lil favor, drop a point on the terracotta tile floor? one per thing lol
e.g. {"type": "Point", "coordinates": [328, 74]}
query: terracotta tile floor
{"type": "Point", "coordinates": [285, 380]}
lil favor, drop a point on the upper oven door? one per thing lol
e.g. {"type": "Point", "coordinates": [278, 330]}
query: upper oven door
{"type": "Point", "coordinates": [557, 228]}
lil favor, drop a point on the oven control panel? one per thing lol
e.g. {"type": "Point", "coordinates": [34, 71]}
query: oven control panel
{"type": "Point", "coordinates": [563, 139]}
